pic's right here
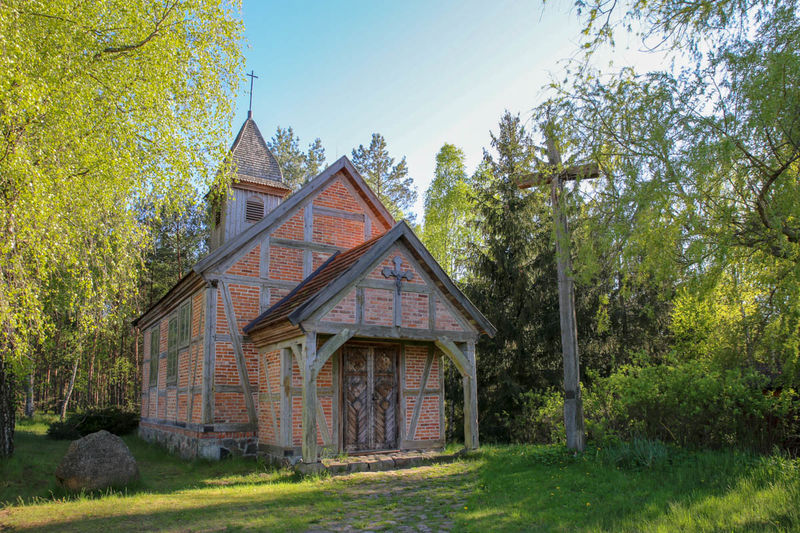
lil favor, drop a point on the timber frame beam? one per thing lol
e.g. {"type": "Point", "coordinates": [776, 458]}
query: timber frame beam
{"type": "Point", "coordinates": [465, 363]}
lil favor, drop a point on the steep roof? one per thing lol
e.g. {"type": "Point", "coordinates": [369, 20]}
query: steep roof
{"type": "Point", "coordinates": [252, 158]}
{"type": "Point", "coordinates": [343, 268]}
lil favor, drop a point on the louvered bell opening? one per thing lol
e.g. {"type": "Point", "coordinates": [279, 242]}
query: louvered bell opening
{"type": "Point", "coordinates": [254, 211]}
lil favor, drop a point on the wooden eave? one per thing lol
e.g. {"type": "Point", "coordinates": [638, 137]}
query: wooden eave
{"type": "Point", "coordinates": [276, 333]}
{"type": "Point", "coordinates": [185, 287]}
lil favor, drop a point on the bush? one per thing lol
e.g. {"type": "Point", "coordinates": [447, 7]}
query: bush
{"type": "Point", "coordinates": [540, 419]}
{"type": "Point", "coordinates": [692, 404]}
{"type": "Point", "coordinates": [112, 419]}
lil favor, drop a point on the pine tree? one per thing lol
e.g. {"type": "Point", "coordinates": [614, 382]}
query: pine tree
{"type": "Point", "coordinates": [389, 181]}
{"type": "Point", "coordinates": [297, 166]}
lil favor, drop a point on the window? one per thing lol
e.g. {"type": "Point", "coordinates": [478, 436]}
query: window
{"type": "Point", "coordinates": [155, 343]}
{"type": "Point", "coordinates": [185, 324]}
{"type": "Point", "coordinates": [172, 351]}
{"type": "Point", "coordinates": [254, 210]}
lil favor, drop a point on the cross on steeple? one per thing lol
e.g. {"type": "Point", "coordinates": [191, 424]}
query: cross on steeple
{"type": "Point", "coordinates": [399, 274]}
{"type": "Point", "coordinates": [252, 77]}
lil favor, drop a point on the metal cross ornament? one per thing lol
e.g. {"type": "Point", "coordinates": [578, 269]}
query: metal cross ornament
{"type": "Point", "coordinates": [399, 274]}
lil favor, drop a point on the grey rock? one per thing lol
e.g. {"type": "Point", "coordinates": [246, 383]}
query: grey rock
{"type": "Point", "coordinates": [96, 461]}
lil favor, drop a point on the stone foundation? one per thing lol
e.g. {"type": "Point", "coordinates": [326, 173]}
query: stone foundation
{"type": "Point", "coordinates": [190, 444]}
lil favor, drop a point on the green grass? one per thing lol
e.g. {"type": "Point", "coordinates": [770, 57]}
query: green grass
{"type": "Point", "coordinates": [634, 487]}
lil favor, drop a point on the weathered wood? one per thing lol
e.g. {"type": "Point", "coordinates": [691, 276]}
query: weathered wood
{"type": "Point", "coordinates": [331, 345]}
{"type": "Point", "coordinates": [309, 356]}
{"type": "Point", "coordinates": [338, 213]}
{"type": "Point", "coordinates": [576, 172]}
{"type": "Point", "coordinates": [390, 285]}
{"type": "Point", "coordinates": [356, 398]}
{"type": "Point", "coordinates": [209, 355]}
{"type": "Point", "coordinates": [471, 401]}
{"type": "Point", "coordinates": [384, 397]}
{"type": "Point", "coordinates": [286, 398]}
{"type": "Point", "coordinates": [420, 396]}
{"type": "Point", "coordinates": [238, 352]}
{"type": "Point", "coordinates": [573, 403]}
{"type": "Point", "coordinates": [304, 245]}
{"type": "Point", "coordinates": [457, 356]}
{"type": "Point", "coordinates": [391, 333]}
{"type": "Point", "coordinates": [281, 345]}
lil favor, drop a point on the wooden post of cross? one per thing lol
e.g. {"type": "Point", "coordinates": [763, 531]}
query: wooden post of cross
{"type": "Point", "coordinates": [555, 176]}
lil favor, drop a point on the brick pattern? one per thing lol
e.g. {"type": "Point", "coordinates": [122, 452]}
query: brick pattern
{"type": "Point", "coordinates": [229, 407]}
{"type": "Point", "coordinates": [286, 263]}
{"type": "Point", "coordinates": [444, 319]}
{"type": "Point", "coordinates": [345, 310]}
{"type": "Point", "coordinates": [428, 427]}
{"type": "Point", "coordinates": [414, 310]}
{"type": "Point", "coordinates": [338, 231]}
{"type": "Point", "coordinates": [245, 300]}
{"type": "Point", "coordinates": [270, 371]}
{"type": "Point", "coordinates": [337, 196]}
{"type": "Point", "coordinates": [378, 307]}
{"type": "Point", "coordinates": [324, 380]}
{"type": "Point", "coordinates": [248, 264]}
{"type": "Point", "coordinates": [291, 229]}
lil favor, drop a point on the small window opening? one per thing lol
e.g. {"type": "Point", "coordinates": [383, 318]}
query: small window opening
{"type": "Point", "coordinates": [254, 210]}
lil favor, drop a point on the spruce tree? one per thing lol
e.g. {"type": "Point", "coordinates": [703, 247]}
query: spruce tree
{"type": "Point", "coordinates": [512, 275]}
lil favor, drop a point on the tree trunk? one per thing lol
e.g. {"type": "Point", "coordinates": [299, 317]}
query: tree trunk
{"type": "Point", "coordinates": [70, 387]}
{"type": "Point", "coordinates": [7, 413]}
{"type": "Point", "coordinates": [29, 404]}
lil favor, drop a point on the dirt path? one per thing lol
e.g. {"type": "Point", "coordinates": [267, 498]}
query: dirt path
{"type": "Point", "coordinates": [420, 499]}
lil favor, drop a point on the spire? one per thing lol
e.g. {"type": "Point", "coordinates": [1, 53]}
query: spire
{"type": "Point", "coordinates": [253, 159]}
{"type": "Point", "coordinates": [252, 77]}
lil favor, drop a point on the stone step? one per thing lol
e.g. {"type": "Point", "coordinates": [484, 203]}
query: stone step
{"type": "Point", "coordinates": [376, 462]}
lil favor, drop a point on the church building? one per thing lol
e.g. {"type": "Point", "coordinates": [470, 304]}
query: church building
{"type": "Point", "coordinates": [316, 325]}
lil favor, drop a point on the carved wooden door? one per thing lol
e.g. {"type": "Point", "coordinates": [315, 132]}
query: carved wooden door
{"type": "Point", "coordinates": [370, 398]}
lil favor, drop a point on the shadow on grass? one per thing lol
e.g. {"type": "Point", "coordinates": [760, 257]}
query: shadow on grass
{"type": "Point", "coordinates": [28, 476]}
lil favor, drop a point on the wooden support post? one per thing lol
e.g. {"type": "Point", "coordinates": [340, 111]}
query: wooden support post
{"type": "Point", "coordinates": [471, 401]}
{"type": "Point", "coordinates": [573, 403]}
{"type": "Point", "coordinates": [309, 399]}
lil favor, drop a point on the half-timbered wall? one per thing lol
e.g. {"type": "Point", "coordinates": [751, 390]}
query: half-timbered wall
{"type": "Point", "coordinates": [257, 277]}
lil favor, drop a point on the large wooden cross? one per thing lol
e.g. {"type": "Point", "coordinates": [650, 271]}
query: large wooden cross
{"type": "Point", "coordinates": [399, 274]}
{"type": "Point", "coordinates": [555, 176]}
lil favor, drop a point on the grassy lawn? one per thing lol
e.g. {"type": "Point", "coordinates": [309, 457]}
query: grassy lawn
{"type": "Point", "coordinates": [509, 488]}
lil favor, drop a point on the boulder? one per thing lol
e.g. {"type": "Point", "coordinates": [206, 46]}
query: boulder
{"type": "Point", "coordinates": [96, 461]}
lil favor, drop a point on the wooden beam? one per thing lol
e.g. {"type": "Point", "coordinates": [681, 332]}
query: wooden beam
{"type": "Point", "coordinates": [309, 448]}
{"type": "Point", "coordinates": [286, 398]}
{"type": "Point", "coordinates": [331, 345]}
{"type": "Point", "coordinates": [471, 402]}
{"type": "Point", "coordinates": [209, 355]}
{"type": "Point", "coordinates": [457, 356]}
{"type": "Point", "coordinates": [238, 352]}
{"type": "Point", "coordinates": [575, 172]}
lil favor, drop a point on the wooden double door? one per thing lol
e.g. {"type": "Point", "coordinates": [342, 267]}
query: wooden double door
{"type": "Point", "coordinates": [370, 395]}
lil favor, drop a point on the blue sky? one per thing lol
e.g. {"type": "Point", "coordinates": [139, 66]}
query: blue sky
{"type": "Point", "coordinates": [420, 73]}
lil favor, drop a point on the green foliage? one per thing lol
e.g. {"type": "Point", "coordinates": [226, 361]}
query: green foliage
{"type": "Point", "coordinates": [538, 418]}
{"type": "Point", "coordinates": [693, 404]}
{"type": "Point", "coordinates": [449, 212]}
{"type": "Point", "coordinates": [637, 453]}
{"type": "Point", "coordinates": [112, 419]}
{"type": "Point", "coordinates": [297, 167]}
{"type": "Point", "coordinates": [388, 180]}
{"type": "Point", "coordinates": [105, 107]}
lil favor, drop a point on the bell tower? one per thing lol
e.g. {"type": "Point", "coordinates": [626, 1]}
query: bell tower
{"type": "Point", "coordinates": [257, 186]}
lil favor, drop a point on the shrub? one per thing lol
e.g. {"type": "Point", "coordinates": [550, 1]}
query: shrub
{"type": "Point", "coordinates": [541, 418]}
{"type": "Point", "coordinates": [692, 404]}
{"type": "Point", "coordinates": [112, 419]}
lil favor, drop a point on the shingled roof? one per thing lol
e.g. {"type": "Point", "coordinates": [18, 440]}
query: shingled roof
{"type": "Point", "coordinates": [344, 267]}
{"type": "Point", "coordinates": [253, 160]}
{"type": "Point", "coordinates": [335, 266]}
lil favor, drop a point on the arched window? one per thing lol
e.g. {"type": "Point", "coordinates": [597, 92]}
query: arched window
{"type": "Point", "coordinates": [254, 210]}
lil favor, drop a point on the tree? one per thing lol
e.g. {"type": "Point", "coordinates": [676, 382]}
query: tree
{"type": "Point", "coordinates": [702, 162]}
{"type": "Point", "coordinates": [297, 167]}
{"type": "Point", "coordinates": [512, 275]}
{"type": "Point", "coordinates": [104, 107]}
{"type": "Point", "coordinates": [389, 181]}
{"type": "Point", "coordinates": [449, 211]}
